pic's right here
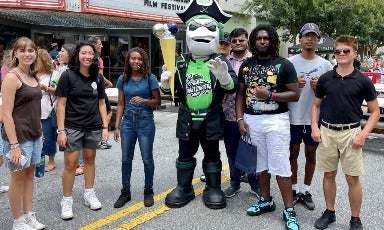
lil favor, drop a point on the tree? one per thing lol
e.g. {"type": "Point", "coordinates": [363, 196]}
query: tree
{"type": "Point", "coordinates": [363, 19]}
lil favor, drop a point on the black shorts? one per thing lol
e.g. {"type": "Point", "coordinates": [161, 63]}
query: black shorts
{"type": "Point", "coordinates": [107, 103]}
{"type": "Point", "coordinates": [301, 133]}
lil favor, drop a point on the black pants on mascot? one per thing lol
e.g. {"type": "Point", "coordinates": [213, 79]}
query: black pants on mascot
{"type": "Point", "coordinates": [213, 196]}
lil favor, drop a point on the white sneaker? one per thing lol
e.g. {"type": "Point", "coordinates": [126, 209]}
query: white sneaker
{"type": "Point", "coordinates": [30, 219]}
{"type": "Point", "coordinates": [20, 224]}
{"type": "Point", "coordinates": [66, 209]}
{"type": "Point", "coordinates": [4, 189]}
{"type": "Point", "coordinates": [91, 200]}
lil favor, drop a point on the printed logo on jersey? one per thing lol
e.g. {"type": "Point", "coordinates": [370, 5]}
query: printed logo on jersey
{"type": "Point", "coordinates": [196, 85]}
{"type": "Point", "coordinates": [258, 76]}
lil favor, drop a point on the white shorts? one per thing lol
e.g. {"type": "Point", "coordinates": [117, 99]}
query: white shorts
{"type": "Point", "coordinates": [271, 134]}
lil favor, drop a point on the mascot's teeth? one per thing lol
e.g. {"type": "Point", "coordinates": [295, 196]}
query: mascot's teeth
{"type": "Point", "coordinates": [202, 40]}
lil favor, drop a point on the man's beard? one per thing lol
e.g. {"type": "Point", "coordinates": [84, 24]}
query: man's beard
{"type": "Point", "coordinates": [264, 52]}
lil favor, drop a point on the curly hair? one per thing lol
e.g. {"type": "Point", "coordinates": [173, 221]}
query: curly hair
{"type": "Point", "coordinates": [44, 61]}
{"type": "Point", "coordinates": [74, 63]}
{"type": "Point", "coordinates": [22, 43]}
{"type": "Point", "coordinates": [145, 68]}
{"type": "Point", "coordinates": [274, 41]}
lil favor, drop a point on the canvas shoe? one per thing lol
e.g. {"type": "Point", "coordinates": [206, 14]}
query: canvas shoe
{"type": "Point", "coordinates": [91, 200]}
{"type": "Point", "coordinates": [4, 189]}
{"type": "Point", "coordinates": [289, 216]}
{"type": "Point", "coordinates": [30, 219]}
{"type": "Point", "coordinates": [261, 207]}
{"type": "Point", "coordinates": [20, 224]}
{"type": "Point", "coordinates": [66, 209]}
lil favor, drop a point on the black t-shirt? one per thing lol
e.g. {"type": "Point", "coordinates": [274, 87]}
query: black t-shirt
{"type": "Point", "coordinates": [83, 94]}
{"type": "Point", "coordinates": [274, 75]}
{"type": "Point", "coordinates": [345, 96]}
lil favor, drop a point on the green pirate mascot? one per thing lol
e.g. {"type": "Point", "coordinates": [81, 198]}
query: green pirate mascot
{"type": "Point", "coordinates": [201, 80]}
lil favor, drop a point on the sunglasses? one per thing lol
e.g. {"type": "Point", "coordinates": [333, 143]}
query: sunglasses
{"type": "Point", "coordinates": [345, 51]}
{"type": "Point", "coordinates": [234, 41]}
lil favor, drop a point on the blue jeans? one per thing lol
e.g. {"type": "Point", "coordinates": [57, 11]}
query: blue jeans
{"type": "Point", "coordinates": [137, 125]}
{"type": "Point", "coordinates": [49, 137]}
{"type": "Point", "coordinates": [231, 141]}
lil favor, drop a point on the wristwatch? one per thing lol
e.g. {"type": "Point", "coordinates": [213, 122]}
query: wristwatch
{"type": "Point", "coordinates": [60, 131]}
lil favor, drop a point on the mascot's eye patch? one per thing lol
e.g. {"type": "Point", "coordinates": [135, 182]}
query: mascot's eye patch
{"type": "Point", "coordinates": [193, 27]}
{"type": "Point", "coordinates": [211, 26]}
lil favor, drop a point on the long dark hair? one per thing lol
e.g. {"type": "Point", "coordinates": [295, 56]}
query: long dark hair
{"type": "Point", "coordinates": [145, 69]}
{"type": "Point", "coordinates": [70, 48]}
{"type": "Point", "coordinates": [274, 41]}
{"type": "Point", "coordinates": [74, 63]}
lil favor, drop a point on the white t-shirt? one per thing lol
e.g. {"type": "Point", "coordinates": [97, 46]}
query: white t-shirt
{"type": "Point", "coordinates": [300, 111]}
{"type": "Point", "coordinates": [46, 107]}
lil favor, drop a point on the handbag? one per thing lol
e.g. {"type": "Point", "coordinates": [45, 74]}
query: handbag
{"type": "Point", "coordinates": [53, 111]}
{"type": "Point", "coordinates": [246, 155]}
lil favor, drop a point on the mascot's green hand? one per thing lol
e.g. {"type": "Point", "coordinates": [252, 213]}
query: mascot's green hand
{"type": "Point", "coordinates": [219, 68]}
{"type": "Point", "coordinates": [164, 78]}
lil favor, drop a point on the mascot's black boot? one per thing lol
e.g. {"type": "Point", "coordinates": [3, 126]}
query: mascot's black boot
{"type": "Point", "coordinates": [183, 193]}
{"type": "Point", "coordinates": [213, 196]}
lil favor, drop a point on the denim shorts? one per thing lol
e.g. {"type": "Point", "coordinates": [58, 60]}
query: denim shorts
{"type": "Point", "coordinates": [31, 151]}
{"type": "Point", "coordinates": [77, 139]}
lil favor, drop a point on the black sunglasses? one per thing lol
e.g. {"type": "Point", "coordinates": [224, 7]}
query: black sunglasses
{"type": "Point", "coordinates": [346, 51]}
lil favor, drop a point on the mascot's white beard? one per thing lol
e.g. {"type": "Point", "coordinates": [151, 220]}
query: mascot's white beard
{"type": "Point", "coordinates": [202, 42]}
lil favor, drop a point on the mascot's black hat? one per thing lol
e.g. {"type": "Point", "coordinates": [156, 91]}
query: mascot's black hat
{"type": "Point", "coordinates": [204, 7]}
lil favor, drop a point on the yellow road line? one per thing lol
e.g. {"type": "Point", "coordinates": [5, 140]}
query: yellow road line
{"type": "Point", "coordinates": [133, 208]}
{"type": "Point", "coordinates": [159, 210]}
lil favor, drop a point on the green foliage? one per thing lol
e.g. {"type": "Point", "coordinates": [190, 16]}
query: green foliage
{"type": "Point", "coordinates": [363, 19]}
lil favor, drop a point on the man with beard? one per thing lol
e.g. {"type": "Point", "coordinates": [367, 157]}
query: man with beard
{"type": "Point", "coordinates": [266, 83]}
{"type": "Point", "coordinates": [239, 53]}
{"type": "Point", "coordinates": [309, 67]}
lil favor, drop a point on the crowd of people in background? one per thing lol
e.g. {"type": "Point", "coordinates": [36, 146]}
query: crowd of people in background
{"type": "Point", "coordinates": [276, 98]}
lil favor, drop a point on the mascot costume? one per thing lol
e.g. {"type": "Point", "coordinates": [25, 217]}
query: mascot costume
{"type": "Point", "coordinates": [202, 78]}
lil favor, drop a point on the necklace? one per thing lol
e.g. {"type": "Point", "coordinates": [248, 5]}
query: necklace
{"type": "Point", "coordinates": [23, 71]}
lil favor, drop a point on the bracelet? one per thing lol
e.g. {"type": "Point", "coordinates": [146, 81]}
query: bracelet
{"type": "Point", "coordinates": [239, 119]}
{"type": "Point", "coordinates": [268, 96]}
{"type": "Point", "coordinates": [15, 146]}
{"type": "Point", "coordinates": [105, 127]}
{"type": "Point", "coordinates": [60, 131]}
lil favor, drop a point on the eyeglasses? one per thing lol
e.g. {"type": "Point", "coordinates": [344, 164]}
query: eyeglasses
{"type": "Point", "coordinates": [345, 51]}
{"type": "Point", "coordinates": [234, 41]}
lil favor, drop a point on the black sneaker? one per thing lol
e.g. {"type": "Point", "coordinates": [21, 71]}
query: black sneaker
{"type": "Point", "coordinates": [261, 207]}
{"type": "Point", "coordinates": [326, 218]}
{"type": "Point", "coordinates": [289, 216]}
{"type": "Point", "coordinates": [307, 201]}
{"type": "Point", "coordinates": [231, 191]}
{"type": "Point", "coordinates": [296, 197]}
{"type": "Point", "coordinates": [244, 178]}
{"type": "Point", "coordinates": [355, 224]}
{"type": "Point", "coordinates": [124, 197]}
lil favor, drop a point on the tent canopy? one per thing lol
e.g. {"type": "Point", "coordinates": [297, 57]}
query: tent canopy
{"type": "Point", "coordinates": [325, 46]}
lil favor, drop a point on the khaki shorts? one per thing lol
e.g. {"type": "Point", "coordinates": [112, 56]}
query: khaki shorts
{"type": "Point", "coordinates": [337, 145]}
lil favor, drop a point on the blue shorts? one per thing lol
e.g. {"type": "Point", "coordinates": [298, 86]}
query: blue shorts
{"type": "Point", "coordinates": [31, 150]}
{"type": "Point", "coordinates": [301, 133]}
{"type": "Point", "coordinates": [77, 139]}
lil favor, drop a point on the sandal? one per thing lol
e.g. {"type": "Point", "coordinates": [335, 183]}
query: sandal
{"type": "Point", "coordinates": [49, 168]}
{"type": "Point", "coordinates": [79, 171]}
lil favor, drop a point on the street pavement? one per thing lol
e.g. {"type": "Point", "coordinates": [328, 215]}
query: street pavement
{"type": "Point", "coordinates": [195, 215]}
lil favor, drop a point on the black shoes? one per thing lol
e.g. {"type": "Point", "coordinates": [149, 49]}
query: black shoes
{"type": "Point", "coordinates": [148, 197]}
{"type": "Point", "coordinates": [326, 218]}
{"type": "Point", "coordinates": [355, 224]}
{"type": "Point", "coordinates": [305, 199]}
{"type": "Point", "coordinates": [124, 197]}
